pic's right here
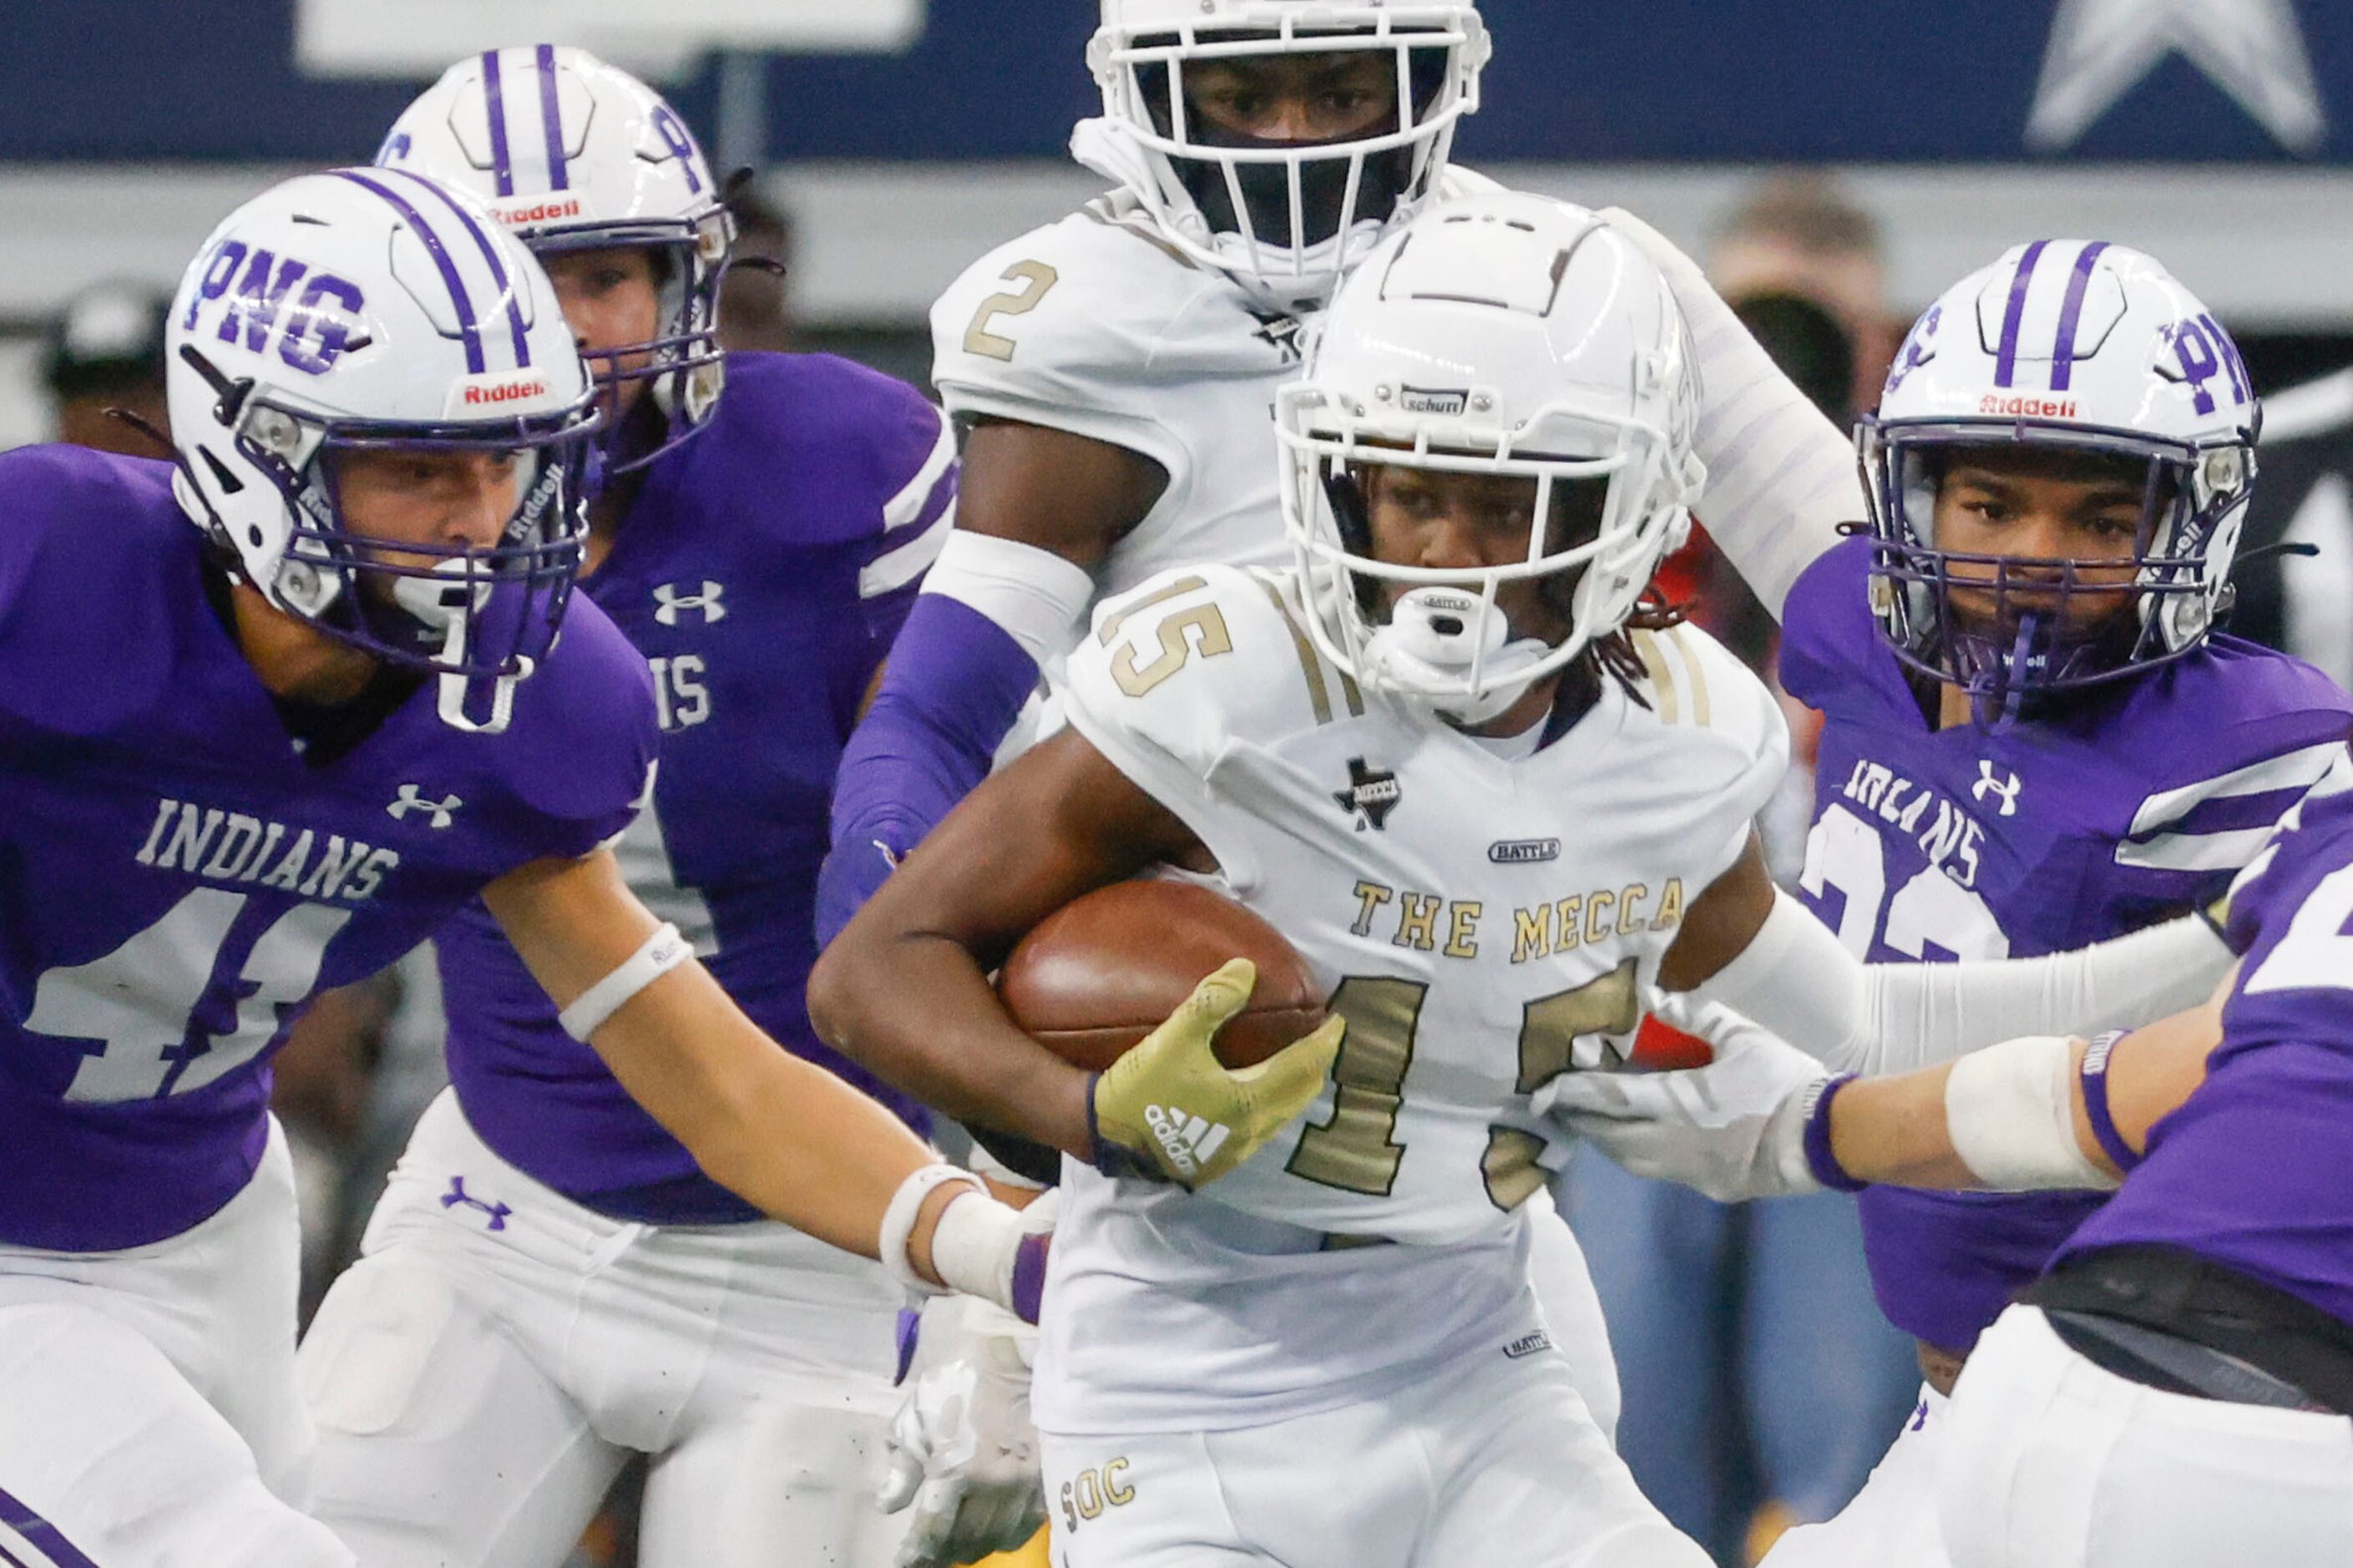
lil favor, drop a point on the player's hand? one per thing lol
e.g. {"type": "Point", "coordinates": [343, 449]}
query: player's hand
{"type": "Point", "coordinates": [1170, 1108]}
{"type": "Point", "coordinates": [1734, 1130]}
{"type": "Point", "coordinates": [964, 1452]}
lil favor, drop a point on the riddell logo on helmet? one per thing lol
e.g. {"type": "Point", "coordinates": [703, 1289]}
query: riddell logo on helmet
{"type": "Point", "coordinates": [481, 396]}
{"type": "Point", "coordinates": [538, 212]}
{"type": "Point", "coordinates": [2027, 407]}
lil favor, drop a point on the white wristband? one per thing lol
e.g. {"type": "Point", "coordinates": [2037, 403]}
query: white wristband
{"type": "Point", "coordinates": [2010, 1112]}
{"type": "Point", "coordinates": [899, 1225]}
{"type": "Point", "coordinates": [661, 952]}
{"type": "Point", "coordinates": [974, 1247]}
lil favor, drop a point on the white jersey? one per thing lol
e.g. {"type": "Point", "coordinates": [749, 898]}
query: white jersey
{"type": "Point", "coordinates": [1097, 326]}
{"type": "Point", "coordinates": [1484, 924]}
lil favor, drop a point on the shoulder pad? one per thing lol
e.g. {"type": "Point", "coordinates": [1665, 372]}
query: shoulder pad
{"type": "Point", "coordinates": [1197, 660]}
{"type": "Point", "coordinates": [584, 728]}
{"type": "Point", "coordinates": [1086, 325]}
{"type": "Point", "coordinates": [1694, 683]}
{"type": "Point", "coordinates": [2235, 739]}
{"type": "Point", "coordinates": [1826, 625]}
{"type": "Point", "coordinates": [864, 451]}
{"type": "Point", "coordinates": [99, 587]}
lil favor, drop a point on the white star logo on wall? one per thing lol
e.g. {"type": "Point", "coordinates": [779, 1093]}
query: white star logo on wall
{"type": "Point", "coordinates": [2251, 49]}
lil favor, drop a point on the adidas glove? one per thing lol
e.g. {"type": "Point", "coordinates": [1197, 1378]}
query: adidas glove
{"type": "Point", "coordinates": [1170, 1111]}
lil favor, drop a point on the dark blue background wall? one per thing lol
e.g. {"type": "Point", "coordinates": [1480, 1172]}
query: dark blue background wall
{"type": "Point", "coordinates": [1798, 80]}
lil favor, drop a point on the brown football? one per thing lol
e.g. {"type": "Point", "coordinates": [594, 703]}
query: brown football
{"type": "Point", "coordinates": [1102, 972]}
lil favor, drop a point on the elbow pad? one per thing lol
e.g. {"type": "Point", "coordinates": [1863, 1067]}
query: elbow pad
{"type": "Point", "coordinates": [1796, 980]}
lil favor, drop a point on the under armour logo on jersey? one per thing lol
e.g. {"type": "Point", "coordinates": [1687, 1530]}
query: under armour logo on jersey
{"type": "Point", "coordinates": [669, 603]}
{"type": "Point", "coordinates": [458, 1197]}
{"type": "Point", "coordinates": [1188, 1141]}
{"type": "Point", "coordinates": [1371, 796]}
{"type": "Point", "coordinates": [2005, 789]}
{"type": "Point", "coordinates": [413, 799]}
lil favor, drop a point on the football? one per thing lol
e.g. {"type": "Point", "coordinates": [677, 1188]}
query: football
{"type": "Point", "coordinates": [1104, 972]}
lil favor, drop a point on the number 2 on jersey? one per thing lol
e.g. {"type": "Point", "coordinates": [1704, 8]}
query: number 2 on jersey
{"type": "Point", "coordinates": [1035, 278]}
{"type": "Point", "coordinates": [1845, 854]}
{"type": "Point", "coordinates": [1356, 1151]}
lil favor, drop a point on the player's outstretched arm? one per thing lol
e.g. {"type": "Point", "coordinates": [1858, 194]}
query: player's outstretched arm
{"type": "Point", "coordinates": [1754, 948]}
{"type": "Point", "coordinates": [1781, 477]}
{"type": "Point", "coordinates": [789, 1137]}
{"type": "Point", "coordinates": [904, 988]}
{"type": "Point", "coordinates": [2041, 1112]}
{"type": "Point", "coordinates": [1038, 511]}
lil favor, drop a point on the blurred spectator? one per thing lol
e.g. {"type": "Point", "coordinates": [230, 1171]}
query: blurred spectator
{"type": "Point", "coordinates": [1760, 1382]}
{"type": "Point", "coordinates": [105, 350]}
{"type": "Point", "coordinates": [2303, 496]}
{"type": "Point", "coordinates": [1799, 235]}
{"type": "Point", "coordinates": [755, 311]}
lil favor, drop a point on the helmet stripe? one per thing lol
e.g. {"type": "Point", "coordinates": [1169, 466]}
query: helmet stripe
{"type": "Point", "coordinates": [498, 267]}
{"type": "Point", "coordinates": [2005, 367]}
{"type": "Point", "coordinates": [558, 177]}
{"type": "Point", "coordinates": [2071, 316]}
{"type": "Point", "coordinates": [502, 165]}
{"type": "Point", "coordinates": [469, 329]}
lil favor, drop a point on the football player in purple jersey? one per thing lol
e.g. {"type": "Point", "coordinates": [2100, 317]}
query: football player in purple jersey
{"type": "Point", "coordinates": [552, 1281]}
{"type": "Point", "coordinates": [264, 756]}
{"type": "Point", "coordinates": [2034, 736]}
{"type": "Point", "coordinates": [2172, 1390]}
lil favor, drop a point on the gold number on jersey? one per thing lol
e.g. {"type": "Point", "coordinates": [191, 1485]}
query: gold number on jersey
{"type": "Point", "coordinates": [1035, 278]}
{"type": "Point", "coordinates": [1549, 1027]}
{"type": "Point", "coordinates": [1355, 1151]}
{"type": "Point", "coordinates": [1203, 627]}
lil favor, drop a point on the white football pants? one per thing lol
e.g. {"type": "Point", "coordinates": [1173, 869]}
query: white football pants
{"type": "Point", "coordinates": [1484, 1461]}
{"type": "Point", "coordinates": [148, 1418]}
{"type": "Point", "coordinates": [2052, 1462]}
{"type": "Point", "coordinates": [1563, 1283]}
{"type": "Point", "coordinates": [1892, 1523]}
{"type": "Point", "coordinates": [480, 1374]}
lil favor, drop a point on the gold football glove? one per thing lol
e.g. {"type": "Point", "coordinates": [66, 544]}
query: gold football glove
{"type": "Point", "coordinates": [1170, 1110]}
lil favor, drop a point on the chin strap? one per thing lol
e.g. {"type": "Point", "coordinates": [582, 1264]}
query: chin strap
{"type": "Point", "coordinates": [438, 602]}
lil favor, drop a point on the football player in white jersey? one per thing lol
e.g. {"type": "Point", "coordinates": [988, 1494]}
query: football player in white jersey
{"type": "Point", "coordinates": [1494, 801]}
{"type": "Point", "coordinates": [1107, 373]}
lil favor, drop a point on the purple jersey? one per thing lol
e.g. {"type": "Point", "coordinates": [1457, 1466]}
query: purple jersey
{"type": "Point", "coordinates": [762, 570]}
{"type": "Point", "coordinates": [2136, 804]}
{"type": "Point", "coordinates": [2252, 1171]}
{"type": "Point", "coordinates": [176, 878]}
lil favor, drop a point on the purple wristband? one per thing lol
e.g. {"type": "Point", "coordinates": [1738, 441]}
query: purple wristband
{"type": "Point", "coordinates": [2095, 1076]}
{"type": "Point", "coordinates": [1818, 1158]}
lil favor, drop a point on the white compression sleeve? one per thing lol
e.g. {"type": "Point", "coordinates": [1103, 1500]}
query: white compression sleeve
{"type": "Point", "coordinates": [1035, 595]}
{"type": "Point", "coordinates": [1796, 980]}
{"type": "Point", "coordinates": [1780, 476]}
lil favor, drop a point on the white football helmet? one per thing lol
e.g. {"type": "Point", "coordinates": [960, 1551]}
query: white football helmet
{"type": "Point", "coordinates": [1505, 334]}
{"type": "Point", "coordinates": [1286, 219]}
{"type": "Point", "coordinates": [366, 308]}
{"type": "Point", "coordinates": [2083, 347]}
{"type": "Point", "coordinates": [575, 154]}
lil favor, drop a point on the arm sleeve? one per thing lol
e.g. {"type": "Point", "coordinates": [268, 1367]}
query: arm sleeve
{"type": "Point", "coordinates": [1796, 981]}
{"type": "Point", "coordinates": [990, 614]}
{"type": "Point", "coordinates": [1780, 476]}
